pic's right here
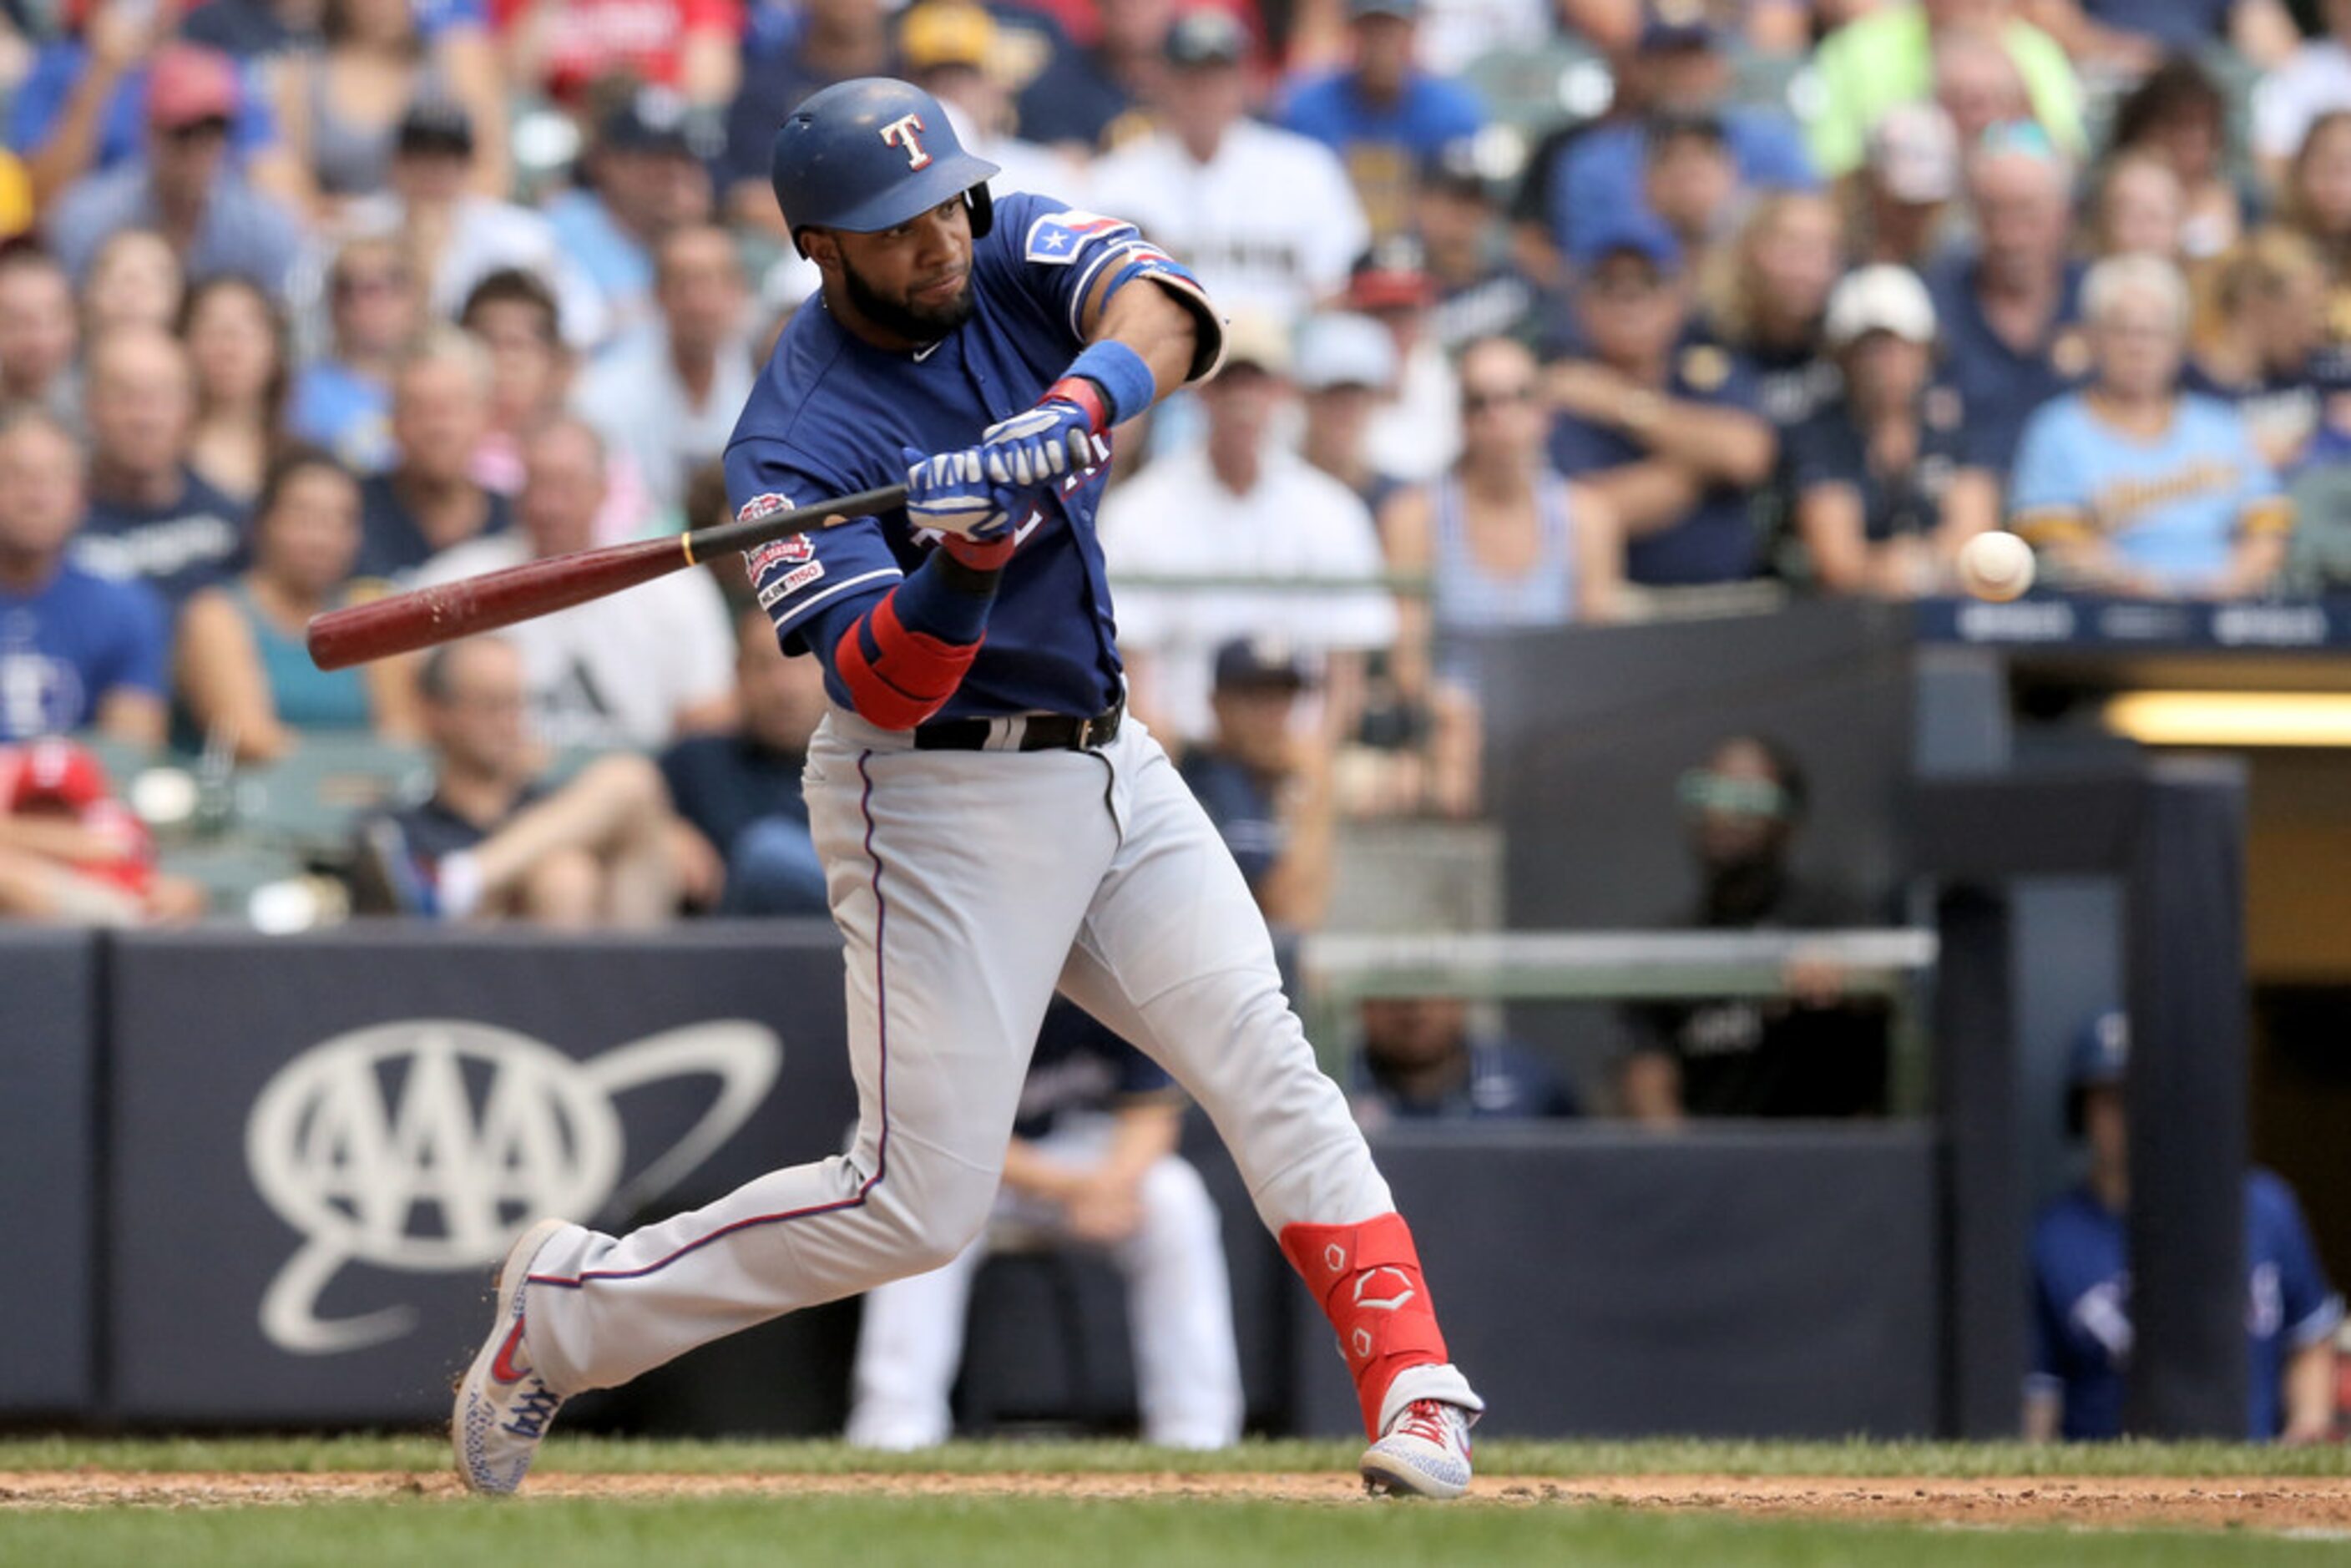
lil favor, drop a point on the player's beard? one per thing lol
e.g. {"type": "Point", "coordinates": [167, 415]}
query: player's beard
{"type": "Point", "coordinates": [901, 319]}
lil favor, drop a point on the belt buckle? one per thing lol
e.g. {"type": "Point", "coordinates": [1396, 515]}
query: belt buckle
{"type": "Point", "coordinates": [1085, 738]}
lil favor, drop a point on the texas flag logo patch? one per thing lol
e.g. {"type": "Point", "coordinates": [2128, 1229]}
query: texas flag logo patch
{"type": "Point", "coordinates": [1056, 238]}
{"type": "Point", "coordinates": [779, 553]}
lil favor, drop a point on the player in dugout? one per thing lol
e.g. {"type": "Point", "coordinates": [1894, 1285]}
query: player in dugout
{"type": "Point", "coordinates": [993, 830]}
{"type": "Point", "coordinates": [2081, 1281]}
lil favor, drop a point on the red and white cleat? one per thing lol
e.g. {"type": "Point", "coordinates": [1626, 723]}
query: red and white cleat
{"type": "Point", "coordinates": [1424, 1452]}
{"type": "Point", "coordinates": [503, 1406]}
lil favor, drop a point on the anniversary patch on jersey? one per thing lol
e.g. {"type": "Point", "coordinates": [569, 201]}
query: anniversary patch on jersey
{"type": "Point", "coordinates": [1056, 238]}
{"type": "Point", "coordinates": [779, 552]}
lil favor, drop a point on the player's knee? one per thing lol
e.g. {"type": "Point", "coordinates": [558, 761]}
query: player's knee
{"type": "Point", "coordinates": [933, 1233]}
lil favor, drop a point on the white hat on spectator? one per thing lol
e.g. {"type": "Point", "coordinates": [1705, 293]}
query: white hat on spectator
{"type": "Point", "coordinates": [1882, 298]}
{"type": "Point", "coordinates": [1343, 349]}
{"type": "Point", "coordinates": [1914, 150]}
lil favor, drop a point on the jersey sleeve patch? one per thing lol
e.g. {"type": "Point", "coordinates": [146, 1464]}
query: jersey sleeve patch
{"type": "Point", "coordinates": [1056, 238]}
{"type": "Point", "coordinates": [788, 551]}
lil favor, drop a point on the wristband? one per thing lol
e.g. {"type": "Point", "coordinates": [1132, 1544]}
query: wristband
{"type": "Point", "coordinates": [1126, 382]}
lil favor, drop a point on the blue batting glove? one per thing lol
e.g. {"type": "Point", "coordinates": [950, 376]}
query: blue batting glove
{"type": "Point", "coordinates": [1032, 451]}
{"type": "Point", "coordinates": [951, 493]}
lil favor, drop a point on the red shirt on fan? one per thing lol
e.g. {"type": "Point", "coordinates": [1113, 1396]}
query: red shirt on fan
{"type": "Point", "coordinates": [645, 39]}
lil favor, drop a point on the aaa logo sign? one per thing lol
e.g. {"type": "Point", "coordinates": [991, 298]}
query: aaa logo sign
{"type": "Point", "coordinates": [422, 1146]}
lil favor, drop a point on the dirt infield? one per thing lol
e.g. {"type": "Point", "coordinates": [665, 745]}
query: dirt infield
{"type": "Point", "coordinates": [2266, 1504]}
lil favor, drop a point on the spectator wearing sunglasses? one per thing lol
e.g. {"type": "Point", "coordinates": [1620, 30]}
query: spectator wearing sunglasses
{"type": "Point", "coordinates": [186, 187]}
{"type": "Point", "coordinates": [1813, 1051]}
{"type": "Point", "coordinates": [342, 399]}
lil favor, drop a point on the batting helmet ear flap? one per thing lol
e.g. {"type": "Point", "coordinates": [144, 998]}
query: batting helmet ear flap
{"type": "Point", "coordinates": [983, 210]}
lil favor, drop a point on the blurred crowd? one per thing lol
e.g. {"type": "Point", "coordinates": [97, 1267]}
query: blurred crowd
{"type": "Point", "coordinates": [1542, 315]}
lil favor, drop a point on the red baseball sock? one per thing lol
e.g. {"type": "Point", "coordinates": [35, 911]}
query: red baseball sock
{"type": "Point", "coordinates": [1367, 1279]}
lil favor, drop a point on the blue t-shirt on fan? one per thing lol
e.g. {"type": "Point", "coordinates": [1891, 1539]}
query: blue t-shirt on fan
{"type": "Point", "coordinates": [68, 645]}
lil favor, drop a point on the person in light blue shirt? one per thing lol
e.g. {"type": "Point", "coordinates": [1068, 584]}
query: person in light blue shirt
{"type": "Point", "coordinates": [2081, 1325]}
{"type": "Point", "coordinates": [1383, 115]}
{"type": "Point", "coordinates": [2132, 486]}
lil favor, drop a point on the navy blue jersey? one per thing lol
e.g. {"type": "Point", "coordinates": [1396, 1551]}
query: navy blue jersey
{"type": "Point", "coordinates": [2081, 1305]}
{"type": "Point", "coordinates": [1081, 1066]}
{"type": "Point", "coordinates": [831, 413]}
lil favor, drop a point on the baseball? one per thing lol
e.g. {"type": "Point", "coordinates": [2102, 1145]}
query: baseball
{"type": "Point", "coordinates": [1996, 565]}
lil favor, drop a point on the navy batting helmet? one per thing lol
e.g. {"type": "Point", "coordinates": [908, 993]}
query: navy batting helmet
{"type": "Point", "coordinates": [870, 154]}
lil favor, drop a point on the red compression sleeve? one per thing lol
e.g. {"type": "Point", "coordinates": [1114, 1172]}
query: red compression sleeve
{"type": "Point", "coordinates": [896, 677]}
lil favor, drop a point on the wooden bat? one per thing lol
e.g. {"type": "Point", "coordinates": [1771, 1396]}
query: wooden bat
{"type": "Point", "coordinates": [403, 623]}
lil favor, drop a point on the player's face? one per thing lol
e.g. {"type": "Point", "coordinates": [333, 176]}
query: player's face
{"type": "Point", "coordinates": [912, 283]}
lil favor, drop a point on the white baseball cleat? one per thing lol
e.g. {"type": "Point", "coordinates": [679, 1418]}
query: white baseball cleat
{"type": "Point", "coordinates": [1424, 1452]}
{"type": "Point", "coordinates": [503, 1404]}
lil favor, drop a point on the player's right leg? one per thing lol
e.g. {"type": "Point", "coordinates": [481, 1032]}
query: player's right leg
{"type": "Point", "coordinates": [956, 880]}
{"type": "Point", "coordinates": [1175, 956]}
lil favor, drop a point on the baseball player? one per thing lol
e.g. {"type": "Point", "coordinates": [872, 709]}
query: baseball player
{"type": "Point", "coordinates": [991, 829]}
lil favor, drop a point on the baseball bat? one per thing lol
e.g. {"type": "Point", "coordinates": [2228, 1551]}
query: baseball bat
{"type": "Point", "coordinates": [403, 623]}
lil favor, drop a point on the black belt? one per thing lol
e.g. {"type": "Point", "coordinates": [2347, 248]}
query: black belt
{"type": "Point", "coordinates": [1037, 732]}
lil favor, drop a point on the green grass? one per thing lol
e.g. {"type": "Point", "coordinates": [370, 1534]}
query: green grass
{"type": "Point", "coordinates": [981, 1532]}
{"type": "Point", "coordinates": [592, 1455]}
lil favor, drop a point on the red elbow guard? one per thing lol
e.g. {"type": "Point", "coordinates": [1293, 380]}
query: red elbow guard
{"type": "Point", "coordinates": [897, 678]}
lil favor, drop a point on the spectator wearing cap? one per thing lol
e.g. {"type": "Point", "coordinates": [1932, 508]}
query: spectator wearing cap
{"type": "Point", "coordinates": [643, 177]}
{"type": "Point", "coordinates": [1666, 431]}
{"type": "Point", "coordinates": [1884, 497]}
{"type": "Point", "coordinates": [2082, 1331]}
{"type": "Point", "coordinates": [1889, 56]}
{"type": "Point", "coordinates": [73, 854]}
{"type": "Point", "coordinates": [186, 187]}
{"type": "Point", "coordinates": [1767, 302]}
{"type": "Point", "coordinates": [456, 237]}
{"type": "Point", "coordinates": [635, 670]}
{"type": "Point", "coordinates": [1346, 363]}
{"type": "Point", "coordinates": [39, 335]}
{"type": "Point", "coordinates": [565, 49]}
{"type": "Point", "coordinates": [957, 51]}
{"type": "Point", "coordinates": [2131, 485]}
{"type": "Point", "coordinates": [1266, 784]}
{"type": "Point", "coordinates": [1681, 71]}
{"type": "Point", "coordinates": [78, 651]}
{"type": "Point", "coordinates": [1266, 217]}
{"type": "Point", "coordinates": [88, 104]}
{"type": "Point", "coordinates": [150, 517]}
{"type": "Point", "coordinates": [668, 400]}
{"type": "Point", "coordinates": [1902, 195]}
{"type": "Point", "coordinates": [1481, 290]}
{"type": "Point", "coordinates": [1242, 507]}
{"type": "Point", "coordinates": [1416, 427]}
{"type": "Point", "coordinates": [2263, 309]}
{"type": "Point", "coordinates": [429, 501]}
{"type": "Point", "coordinates": [2127, 39]}
{"type": "Point", "coordinates": [2315, 81]}
{"type": "Point", "coordinates": [2179, 116]}
{"type": "Point", "coordinates": [342, 398]}
{"type": "Point", "coordinates": [1420, 1060]}
{"type": "Point", "coordinates": [1505, 545]}
{"type": "Point", "coordinates": [2009, 308]}
{"type": "Point", "coordinates": [1383, 114]}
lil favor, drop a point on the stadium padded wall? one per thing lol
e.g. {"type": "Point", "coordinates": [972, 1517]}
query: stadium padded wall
{"type": "Point", "coordinates": [1724, 1283]}
{"type": "Point", "coordinates": [48, 1174]}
